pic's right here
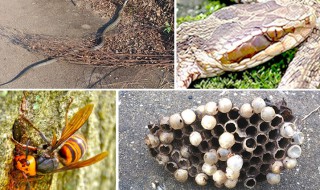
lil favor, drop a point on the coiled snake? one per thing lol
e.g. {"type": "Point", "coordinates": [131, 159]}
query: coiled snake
{"type": "Point", "coordinates": [245, 35]}
{"type": "Point", "coordinates": [100, 42]}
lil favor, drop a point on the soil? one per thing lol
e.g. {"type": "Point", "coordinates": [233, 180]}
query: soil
{"type": "Point", "coordinates": [138, 53]}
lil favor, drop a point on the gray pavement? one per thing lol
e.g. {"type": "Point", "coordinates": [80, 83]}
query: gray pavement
{"type": "Point", "coordinates": [138, 170]}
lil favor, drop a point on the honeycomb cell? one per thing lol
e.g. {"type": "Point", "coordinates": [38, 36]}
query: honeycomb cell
{"type": "Point", "coordinates": [258, 151]}
{"type": "Point", "coordinates": [233, 114]}
{"type": "Point", "coordinates": [251, 131]}
{"type": "Point", "coordinates": [264, 127]}
{"type": "Point", "coordinates": [250, 183]}
{"type": "Point", "coordinates": [261, 138]}
{"type": "Point", "coordinates": [254, 119]}
{"type": "Point", "coordinates": [242, 123]}
{"type": "Point", "coordinates": [277, 120]}
{"type": "Point", "coordinates": [171, 167]}
{"type": "Point", "coordinates": [218, 130]}
{"type": "Point", "coordinates": [283, 142]}
{"type": "Point", "coordinates": [187, 130]}
{"type": "Point", "coordinates": [230, 126]}
{"type": "Point", "coordinates": [274, 134]}
{"type": "Point", "coordinates": [222, 118]}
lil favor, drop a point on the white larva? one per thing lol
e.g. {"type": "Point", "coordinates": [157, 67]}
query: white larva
{"type": "Point", "coordinates": [224, 105]}
{"type": "Point", "coordinates": [226, 140]}
{"type": "Point", "coordinates": [188, 116]}
{"type": "Point", "coordinates": [195, 138]}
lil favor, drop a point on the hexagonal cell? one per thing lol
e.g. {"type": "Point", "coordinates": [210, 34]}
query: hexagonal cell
{"type": "Point", "coordinates": [194, 150]}
{"type": "Point", "coordinates": [177, 143]}
{"type": "Point", "coordinates": [274, 134]}
{"type": "Point", "coordinates": [197, 126]}
{"type": "Point", "coordinates": [237, 138]}
{"type": "Point", "coordinates": [171, 167]}
{"type": "Point", "coordinates": [267, 158]}
{"type": "Point", "coordinates": [277, 120]}
{"type": "Point", "coordinates": [250, 183]}
{"type": "Point", "coordinates": [254, 119]}
{"type": "Point", "coordinates": [193, 171]}
{"type": "Point", "coordinates": [204, 146]}
{"type": "Point", "coordinates": [153, 128]}
{"type": "Point", "coordinates": [222, 118]}
{"type": "Point", "coordinates": [258, 151]}
{"type": "Point", "coordinates": [261, 138]}
{"type": "Point", "coordinates": [164, 124]}
{"type": "Point", "coordinates": [246, 155]}
{"type": "Point", "coordinates": [251, 131]}
{"type": "Point", "coordinates": [153, 152]}
{"type": "Point", "coordinates": [249, 144]}
{"type": "Point", "coordinates": [270, 146]}
{"type": "Point", "coordinates": [206, 134]}
{"type": "Point", "coordinates": [177, 134]}
{"type": "Point", "coordinates": [187, 130]}
{"type": "Point", "coordinates": [253, 171]}
{"type": "Point", "coordinates": [230, 126]}
{"type": "Point", "coordinates": [218, 130]}
{"type": "Point", "coordinates": [236, 148]}
{"type": "Point", "coordinates": [165, 149]}
{"type": "Point", "coordinates": [246, 165]}
{"type": "Point", "coordinates": [175, 155]}
{"type": "Point", "coordinates": [242, 123]}
{"type": "Point", "coordinates": [184, 163]}
{"type": "Point", "coordinates": [283, 142]}
{"type": "Point", "coordinates": [194, 160]}
{"type": "Point", "coordinates": [264, 168]}
{"type": "Point", "coordinates": [255, 161]}
{"type": "Point", "coordinates": [215, 143]}
{"type": "Point", "coordinates": [186, 140]}
{"type": "Point", "coordinates": [279, 154]}
{"type": "Point", "coordinates": [233, 114]}
{"type": "Point", "coordinates": [264, 127]}
{"type": "Point", "coordinates": [261, 177]}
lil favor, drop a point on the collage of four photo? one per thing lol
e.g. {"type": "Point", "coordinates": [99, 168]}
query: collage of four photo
{"type": "Point", "coordinates": [159, 94]}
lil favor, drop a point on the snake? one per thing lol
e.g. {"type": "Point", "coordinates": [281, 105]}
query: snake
{"type": "Point", "coordinates": [100, 42]}
{"type": "Point", "coordinates": [243, 36]}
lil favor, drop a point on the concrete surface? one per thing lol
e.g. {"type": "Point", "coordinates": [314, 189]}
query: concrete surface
{"type": "Point", "coordinates": [137, 169]}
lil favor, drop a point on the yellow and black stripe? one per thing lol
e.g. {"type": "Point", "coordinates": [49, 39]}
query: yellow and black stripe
{"type": "Point", "coordinates": [73, 149]}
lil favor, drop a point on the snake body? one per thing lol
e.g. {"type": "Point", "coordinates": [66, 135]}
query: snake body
{"type": "Point", "coordinates": [101, 32]}
{"type": "Point", "coordinates": [243, 36]}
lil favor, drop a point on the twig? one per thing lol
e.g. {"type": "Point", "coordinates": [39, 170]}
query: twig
{"type": "Point", "coordinates": [305, 117]}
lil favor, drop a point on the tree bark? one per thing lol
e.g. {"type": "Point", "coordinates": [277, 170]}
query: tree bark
{"type": "Point", "coordinates": [46, 110]}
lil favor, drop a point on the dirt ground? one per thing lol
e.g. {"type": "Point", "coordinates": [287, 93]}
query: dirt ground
{"type": "Point", "coordinates": [138, 53]}
{"type": "Point", "coordinates": [138, 108]}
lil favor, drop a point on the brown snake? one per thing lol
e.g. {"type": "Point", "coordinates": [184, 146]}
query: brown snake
{"type": "Point", "coordinates": [100, 42]}
{"type": "Point", "coordinates": [243, 36]}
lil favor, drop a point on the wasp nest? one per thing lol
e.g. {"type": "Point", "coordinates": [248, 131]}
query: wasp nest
{"type": "Point", "coordinates": [227, 144]}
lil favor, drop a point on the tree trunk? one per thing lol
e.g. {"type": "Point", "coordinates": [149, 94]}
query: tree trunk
{"type": "Point", "coordinates": [46, 110]}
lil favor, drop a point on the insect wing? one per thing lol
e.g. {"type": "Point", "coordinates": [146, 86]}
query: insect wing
{"type": "Point", "coordinates": [74, 124]}
{"type": "Point", "coordinates": [84, 163]}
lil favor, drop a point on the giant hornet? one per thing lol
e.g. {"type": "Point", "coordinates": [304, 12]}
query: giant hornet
{"type": "Point", "coordinates": [46, 158]}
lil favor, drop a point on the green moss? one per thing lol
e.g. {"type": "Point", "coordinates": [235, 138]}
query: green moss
{"type": "Point", "coordinates": [210, 7]}
{"type": "Point", "coordinates": [267, 75]}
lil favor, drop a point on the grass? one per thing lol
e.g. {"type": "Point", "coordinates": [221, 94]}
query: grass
{"type": "Point", "coordinates": [267, 75]}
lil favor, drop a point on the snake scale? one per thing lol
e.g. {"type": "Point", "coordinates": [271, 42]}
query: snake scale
{"type": "Point", "coordinates": [100, 42]}
{"type": "Point", "coordinates": [245, 35]}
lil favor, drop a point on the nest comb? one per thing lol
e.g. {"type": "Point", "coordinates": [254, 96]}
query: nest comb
{"type": "Point", "coordinates": [227, 144]}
